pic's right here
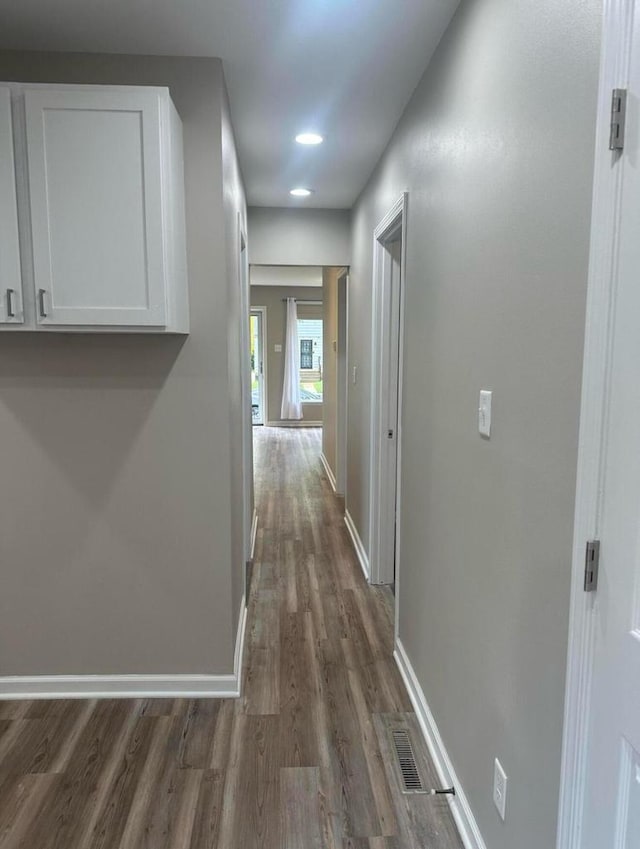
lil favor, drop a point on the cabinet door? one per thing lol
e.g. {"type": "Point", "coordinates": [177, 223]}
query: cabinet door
{"type": "Point", "coordinates": [95, 181]}
{"type": "Point", "coordinates": [10, 275]}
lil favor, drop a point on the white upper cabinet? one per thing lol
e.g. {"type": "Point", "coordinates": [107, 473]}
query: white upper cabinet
{"type": "Point", "coordinates": [10, 274]}
{"type": "Point", "coordinates": [105, 200]}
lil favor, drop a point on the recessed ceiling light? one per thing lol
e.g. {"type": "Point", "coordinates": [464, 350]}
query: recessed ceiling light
{"type": "Point", "coordinates": [309, 138]}
{"type": "Point", "coordinates": [300, 193]}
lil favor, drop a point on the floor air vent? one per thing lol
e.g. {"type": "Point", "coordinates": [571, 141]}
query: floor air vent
{"type": "Point", "coordinates": [405, 758]}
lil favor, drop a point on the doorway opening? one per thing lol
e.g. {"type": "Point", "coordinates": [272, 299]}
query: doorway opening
{"type": "Point", "coordinates": [270, 288]}
{"type": "Point", "coordinates": [386, 385]}
{"type": "Point", "coordinates": [258, 320]}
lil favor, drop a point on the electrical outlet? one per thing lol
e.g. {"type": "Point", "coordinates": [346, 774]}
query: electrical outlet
{"type": "Point", "coordinates": [499, 788]}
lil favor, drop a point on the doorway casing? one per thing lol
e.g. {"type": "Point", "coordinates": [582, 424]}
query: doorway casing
{"type": "Point", "coordinates": [607, 191]}
{"type": "Point", "coordinates": [385, 450]}
{"type": "Point", "coordinates": [248, 510]}
{"type": "Point", "coordinates": [342, 382]}
{"type": "Point", "coordinates": [262, 313]}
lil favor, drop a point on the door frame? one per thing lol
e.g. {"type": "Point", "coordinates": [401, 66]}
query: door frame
{"type": "Point", "coordinates": [342, 385]}
{"type": "Point", "coordinates": [379, 495]}
{"type": "Point", "coordinates": [248, 502]}
{"type": "Point", "coordinates": [607, 186]}
{"type": "Point", "coordinates": [262, 311]}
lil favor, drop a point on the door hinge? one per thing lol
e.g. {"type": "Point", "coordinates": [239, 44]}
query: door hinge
{"type": "Point", "coordinates": [591, 565]}
{"type": "Point", "coordinates": [618, 118]}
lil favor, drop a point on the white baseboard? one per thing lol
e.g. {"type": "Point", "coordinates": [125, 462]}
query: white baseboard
{"type": "Point", "coordinates": [254, 533]}
{"type": "Point", "coordinates": [118, 686]}
{"type": "Point", "coordinates": [301, 423]}
{"type": "Point", "coordinates": [239, 649]}
{"type": "Point", "coordinates": [460, 808]}
{"type": "Point", "coordinates": [131, 686]}
{"type": "Point", "coordinates": [328, 470]}
{"type": "Point", "coordinates": [357, 544]}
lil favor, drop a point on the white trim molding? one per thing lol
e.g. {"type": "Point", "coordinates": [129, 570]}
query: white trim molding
{"type": "Point", "coordinates": [262, 311]}
{"type": "Point", "coordinates": [328, 470]}
{"type": "Point", "coordinates": [342, 407]}
{"type": "Point", "coordinates": [459, 804]}
{"type": "Point", "coordinates": [360, 550]}
{"type": "Point", "coordinates": [607, 189]}
{"type": "Point", "coordinates": [118, 686]}
{"type": "Point", "coordinates": [254, 534]}
{"type": "Point", "coordinates": [131, 686]}
{"type": "Point", "coordinates": [238, 654]}
{"type": "Point", "coordinates": [301, 423]}
{"type": "Point", "coordinates": [245, 386]}
{"type": "Point", "coordinates": [381, 493]}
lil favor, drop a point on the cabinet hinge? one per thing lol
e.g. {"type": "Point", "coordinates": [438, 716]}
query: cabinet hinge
{"type": "Point", "coordinates": [591, 565]}
{"type": "Point", "coordinates": [618, 118]}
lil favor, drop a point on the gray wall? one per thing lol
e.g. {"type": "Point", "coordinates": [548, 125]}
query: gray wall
{"type": "Point", "coordinates": [271, 297]}
{"type": "Point", "coordinates": [499, 175]}
{"type": "Point", "coordinates": [115, 496]}
{"type": "Point", "coordinates": [299, 236]}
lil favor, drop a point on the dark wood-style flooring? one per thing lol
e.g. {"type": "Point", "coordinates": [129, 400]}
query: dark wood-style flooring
{"type": "Point", "coordinates": [302, 761]}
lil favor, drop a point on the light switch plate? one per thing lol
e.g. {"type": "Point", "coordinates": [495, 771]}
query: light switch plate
{"type": "Point", "coordinates": [277, 349]}
{"type": "Point", "coordinates": [484, 413]}
{"type": "Point", "coordinates": [500, 788]}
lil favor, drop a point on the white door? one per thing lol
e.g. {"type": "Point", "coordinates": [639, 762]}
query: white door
{"type": "Point", "coordinates": [10, 274]}
{"type": "Point", "coordinates": [612, 809]}
{"type": "Point", "coordinates": [95, 180]}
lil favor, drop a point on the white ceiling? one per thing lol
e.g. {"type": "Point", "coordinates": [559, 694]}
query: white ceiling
{"type": "Point", "coordinates": [345, 68]}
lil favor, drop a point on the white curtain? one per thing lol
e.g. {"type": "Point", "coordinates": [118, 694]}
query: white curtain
{"type": "Point", "coordinates": [291, 404]}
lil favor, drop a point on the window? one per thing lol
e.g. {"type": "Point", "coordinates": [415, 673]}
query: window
{"type": "Point", "coordinates": [310, 336]}
{"type": "Point", "coordinates": [306, 353]}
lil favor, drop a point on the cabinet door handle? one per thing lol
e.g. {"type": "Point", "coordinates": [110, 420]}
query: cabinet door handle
{"type": "Point", "coordinates": [10, 310]}
{"type": "Point", "coordinates": [41, 294]}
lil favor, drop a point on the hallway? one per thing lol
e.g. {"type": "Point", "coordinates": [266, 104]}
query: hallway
{"type": "Point", "coordinates": [303, 759]}
{"type": "Point", "coordinates": [320, 671]}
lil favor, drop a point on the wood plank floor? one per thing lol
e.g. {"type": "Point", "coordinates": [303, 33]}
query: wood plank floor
{"type": "Point", "coordinates": [301, 761]}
